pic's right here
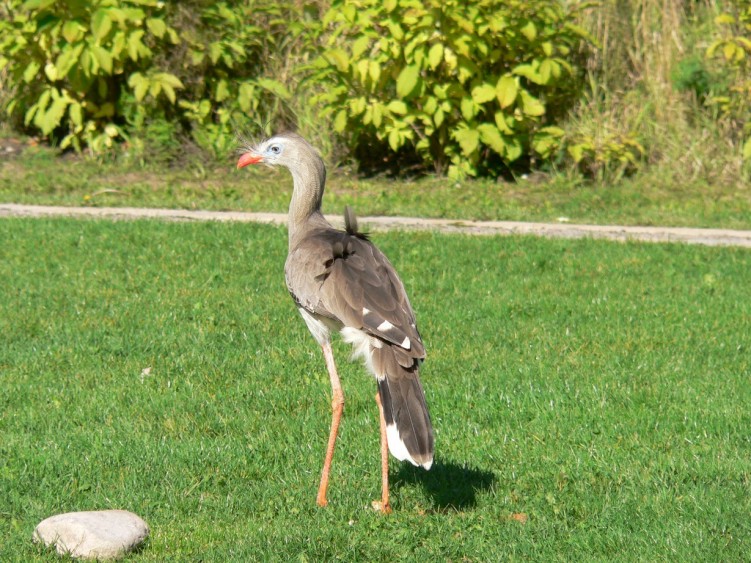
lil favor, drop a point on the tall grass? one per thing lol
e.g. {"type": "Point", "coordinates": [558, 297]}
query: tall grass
{"type": "Point", "coordinates": [635, 90]}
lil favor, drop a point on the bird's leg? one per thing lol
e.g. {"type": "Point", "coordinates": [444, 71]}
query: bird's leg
{"type": "Point", "coordinates": [385, 506]}
{"type": "Point", "coordinates": [337, 406]}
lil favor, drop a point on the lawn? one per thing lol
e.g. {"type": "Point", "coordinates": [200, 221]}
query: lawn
{"type": "Point", "coordinates": [38, 176]}
{"type": "Point", "coordinates": [590, 399]}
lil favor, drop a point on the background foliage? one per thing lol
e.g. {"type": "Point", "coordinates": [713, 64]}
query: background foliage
{"type": "Point", "coordinates": [489, 88]}
{"type": "Point", "coordinates": [733, 49]}
{"type": "Point", "coordinates": [465, 86]}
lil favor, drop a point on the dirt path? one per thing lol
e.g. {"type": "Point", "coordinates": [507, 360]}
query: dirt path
{"type": "Point", "coordinates": [711, 237]}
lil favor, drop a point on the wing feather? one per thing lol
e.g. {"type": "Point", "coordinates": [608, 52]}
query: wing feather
{"type": "Point", "coordinates": [345, 277]}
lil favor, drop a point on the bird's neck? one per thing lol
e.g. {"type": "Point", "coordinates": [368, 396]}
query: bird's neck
{"type": "Point", "coordinates": [309, 179]}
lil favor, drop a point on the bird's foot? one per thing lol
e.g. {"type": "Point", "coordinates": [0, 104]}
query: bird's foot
{"type": "Point", "coordinates": [380, 506]}
{"type": "Point", "coordinates": [321, 501]}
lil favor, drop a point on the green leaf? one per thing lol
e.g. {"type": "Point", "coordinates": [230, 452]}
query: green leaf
{"type": "Point", "coordinates": [546, 71]}
{"type": "Point", "coordinates": [71, 31]}
{"type": "Point", "coordinates": [747, 149]}
{"type": "Point", "coordinates": [506, 90]}
{"type": "Point", "coordinates": [50, 119]}
{"type": "Point", "coordinates": [377, 114]}
{"type": "Point", "coordinates": [407, 81]}
{"type": "Point", "coordinates": [576, 152]}
{"type": "Point", "coordinates": [39, 107]}
{"type": "Point", "coordinates": [529, 72]}
{"type": "Point", "coordinates": [395, 140]}
{"type": "Point", "coordinates": [38, 4]}
{"type": "Point", "coordinates": [275, 87]}
{"type": "Point", "coordinates": [435, 55]}
{"type": "Point", "coordinates": [117, 45]}
{"type": "Point", "coordinates": [222, 91]}
{"type": "Point", "coordinates": [468, 108]}
{"type": "Point", "coordinates": [134, 44]}
{"type": "Point", "coordinates": [490, 135]}
{"type": "Point", "coordinates": [103, 58]}
{"type": "Point", "coordinates": [68, 59]}
{"type": "Point", "coordinates": [544, 145]}
{"type": "Point", "coordinates": [529, 31]}
{"type": "Point", "coordinates": [363, 68]}
{"type": "Point", "coordinates": [374, 71]}
{"type": "Point", "coordinates": [547, 140]}
{"type": "Point", "coordinates": [438, 117]}
{"type": "Point", "coordinates": [140, 85]}
{"type": "Point", "coordinates": [357, 105]}
{"type": "Point", "coordinates": [76, 114]}
{"type": "Point", "coordinates": [396, 31]}
{"type": "Point", "coordinates": [105, 110]}
{"type": "Point", "coordinates": [468, 140]}
{"type": "Point", "coordinates": [553, 131]}
{"type": "Point", "coordinates": [339, 58]}
{"type": "Point", "coordinates": [359, 46]}
{"type": "Point", "coordinates": [50, 71]}
{"type": "Point", "coordinates": [723, 19]}
{"type": "Point", "coordinates": [245, 96]}
{"type": "Point", "coordinates": [729, 51]}
{"type": "Point", "coordinates": [101, 23]}
{"type": "Point", "coordinates": [31, 71]}
{"type": "Point", "coordinates": [500, 122]}
{"type": "Point", "coordinates": [513, 149]}
{"type": "Point", "coordinates": [340, 121]}
{"type": "Point", "coordinates": [397, 107]}
{"type": "Point", "coordinates": [530, 105]}
{"type": "Point", "coordinates": [156, 87]}
{"type": "Point", "coordinates": [157, 27]}
{"type": "Point", "coordinates": [215, 51]}
{"type": "Point", "coordinates": [713, 48]}
{"type": "Point", "coordinates": [431, 104]}
{"type": "Point", "coordinates": [483, 93]}
{"type": "Point", "coordinates": [169, 79]}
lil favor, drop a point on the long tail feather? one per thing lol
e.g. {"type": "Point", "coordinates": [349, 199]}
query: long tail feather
{"type": "Point", "coordinates": [408, 427]}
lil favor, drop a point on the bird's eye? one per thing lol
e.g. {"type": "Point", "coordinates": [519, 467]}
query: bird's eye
{"type": "Point", "coordinates": [275, 149]}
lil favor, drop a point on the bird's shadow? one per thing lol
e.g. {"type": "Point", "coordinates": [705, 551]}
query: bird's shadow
{"type": "Point", "coordinates": [449, 484]}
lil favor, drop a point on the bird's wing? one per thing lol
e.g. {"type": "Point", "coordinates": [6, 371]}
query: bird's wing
{"type": "Point", "coordinates": [345, 277]}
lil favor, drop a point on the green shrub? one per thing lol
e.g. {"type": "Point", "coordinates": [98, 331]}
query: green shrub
{"type": "Point", "coordinates": [232, 57]}
{"type": "Point", "coordinates": [692, 75]}
{"type": "Point", "coordinates": [469, 87]}
{"type": "Point", "coordinates": [85, 73]}
{"type": "Point", "coordinates": [70, 63]}
{"type": "Point", "coordinates": [733, 49]}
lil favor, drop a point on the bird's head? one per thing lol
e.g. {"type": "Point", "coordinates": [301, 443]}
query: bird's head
{"type": "Point", "coordinates": [285, 149]}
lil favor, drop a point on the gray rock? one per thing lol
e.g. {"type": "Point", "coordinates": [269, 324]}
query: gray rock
{"type": "Point", "coordinates": [103, 534]}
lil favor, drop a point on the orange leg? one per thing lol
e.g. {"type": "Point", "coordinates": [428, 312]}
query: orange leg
{"type": "Point", "coordinates": [385, 506]}
{"type": "Point", "coordinates": [337, 407]}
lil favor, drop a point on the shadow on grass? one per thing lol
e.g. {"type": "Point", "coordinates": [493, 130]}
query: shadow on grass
{"type": "Point", "coordinates": [450, 485]}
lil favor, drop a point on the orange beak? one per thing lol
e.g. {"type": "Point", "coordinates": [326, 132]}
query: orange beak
{"type": "Point", "coordinates": [248, 158]}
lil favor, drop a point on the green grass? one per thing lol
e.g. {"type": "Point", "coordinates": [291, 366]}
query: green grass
{"type": "Point", "coordinates": [602, 389]}
{"type": "Point", "coordinates": [39, 177]}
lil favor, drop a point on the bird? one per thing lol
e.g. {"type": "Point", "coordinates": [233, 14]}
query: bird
{"type": "Point", "coordinates": [341, 282]}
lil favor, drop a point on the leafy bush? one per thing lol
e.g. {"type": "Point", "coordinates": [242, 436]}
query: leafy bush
{"type": "Point", "coordinates": [602, 139]}
{"type": "Point", "coordinates": [692, 75]}
{"type": "Point", "coordinates": [469, 87]}
{"type": "Point", "coordinates": [69, 62]}
{"type": "Point", "coordinates": [86, 73]}
{"type": "Point", "coordinates": [733, 48]}
{"type": "Point", "coordinates": [234, 62]}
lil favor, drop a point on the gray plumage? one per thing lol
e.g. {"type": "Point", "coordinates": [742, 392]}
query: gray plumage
{"type": "Point", "coordinates": [343, 282]}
